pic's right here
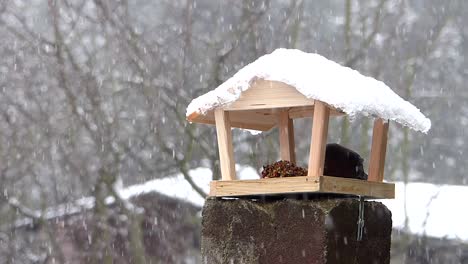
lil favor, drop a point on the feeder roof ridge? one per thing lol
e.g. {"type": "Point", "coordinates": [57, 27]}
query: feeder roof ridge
{"type": "Point", "coordinates": [318, 78]}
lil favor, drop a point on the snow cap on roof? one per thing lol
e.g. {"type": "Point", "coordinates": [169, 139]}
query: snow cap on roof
{"type": "Point", "coordinates": [317, 77]}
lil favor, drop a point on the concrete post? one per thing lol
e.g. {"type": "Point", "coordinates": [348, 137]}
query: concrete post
{"type": "Point", "coordinates": [294, 231]}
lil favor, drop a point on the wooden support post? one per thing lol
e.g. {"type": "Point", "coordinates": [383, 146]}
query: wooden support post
{"type": "Point", "coordinates": [286, 136]}
{"type": "Point", "coordinates": [378, 150]}
{"type": "Point", "coordinates": [319, 139]}
{"type": "Point", "coordinates": [226, 153]}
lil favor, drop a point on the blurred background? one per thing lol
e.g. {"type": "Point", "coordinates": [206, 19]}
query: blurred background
{"type": "Point", "coordinates": [97, 161]}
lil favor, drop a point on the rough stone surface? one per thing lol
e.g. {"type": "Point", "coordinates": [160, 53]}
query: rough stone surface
{"type": "Point", "coordinates": [294, 231]}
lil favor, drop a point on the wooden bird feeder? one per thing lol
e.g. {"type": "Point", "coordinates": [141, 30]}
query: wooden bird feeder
{"type": "Point", "coordinates": [265, 104]}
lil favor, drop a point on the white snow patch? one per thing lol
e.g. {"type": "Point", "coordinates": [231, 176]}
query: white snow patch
{"type": "Point", "coordinates": [61, 210]}
{"type": "Point", "coordinates": [434, 205]}
{"type": "Point", "coordinates": [317, 78]}
{"type": "Point", "coordinates": [173, 186]}
{"type": "Point", "coordinates": [433, 210]}
{"type": "Point", "coordinates": [178, 187]}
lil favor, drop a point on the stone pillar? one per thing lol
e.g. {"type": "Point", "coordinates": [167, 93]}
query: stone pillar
{"type": "Point", "coordinates": [294, 231]}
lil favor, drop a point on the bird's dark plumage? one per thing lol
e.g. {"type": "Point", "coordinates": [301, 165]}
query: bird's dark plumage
{"type": "Point", "coordinates": [343, 162]}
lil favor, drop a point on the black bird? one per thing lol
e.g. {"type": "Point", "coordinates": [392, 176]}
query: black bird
{"type": "Point", "coordinates": [343, 162]}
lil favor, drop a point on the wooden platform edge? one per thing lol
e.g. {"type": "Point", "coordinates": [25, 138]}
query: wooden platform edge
{"type": "Point", "coordinates": [377, 190]}
{"type": "Point", "coordinates": [302, 184]}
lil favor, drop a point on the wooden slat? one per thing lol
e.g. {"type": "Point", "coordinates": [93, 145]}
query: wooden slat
{"type": "Point", "coordinates": [264, 94]}
{"type": "Point", "coordinates": [378, 150]}
{"type": "Point", "coordinates": [357, 187]}
{"type": "Point", "coordinates": [226, 153]}
{"type": "Point", "coordinates": [286, 137]}
{"type": "Point", "coordinates": [308, 111]}
{"type": "Point", "coordinates": [319, 139]}
{"type": "Point", "coordinates": [301, 112]}
{"type": "Point", "coordinates": [262, 120]}
{"type": "Point", "coordinates": [303, 184]}
{"type": "Point", "coordinates": [264, 186]}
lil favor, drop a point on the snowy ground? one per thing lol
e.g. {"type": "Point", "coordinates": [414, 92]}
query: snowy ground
{"type": "Point", "coordinates": [436, 210]}
{"type": "Point", "coordinates": [432, 209]}
{"type": "Point", "coordinates": [178, 187]}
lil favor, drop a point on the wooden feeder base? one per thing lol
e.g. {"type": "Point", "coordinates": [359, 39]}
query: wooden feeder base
{"type": "Point", "coordinates": [302, 184]}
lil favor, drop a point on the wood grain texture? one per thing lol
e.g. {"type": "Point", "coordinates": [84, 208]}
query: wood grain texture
{"type": "Point", "coordinates": [303, 184]}
{"type": "Point", "coordinates": [286, 137]}
{"type": "Point", "coordinates": [378, 190]}
{"type": "Point", "coordinates": [257, 107]}
{"type": "Point", "coordinates": [226, 153]}
{"type": "Point", "coordinates": [264, 94]}
{"type": "Point", "coordinates": [258, 119]}
{"type": "Point", "coordinates": [319, 139]}
{"type": "Point", "coordinates": [264, 186]}
{"type": "Point", "coordinates": [262, 120]}
{"type": "Point", "coordinates": [378, 150]}
{"type": "Point", "coordinates": [308, 112]}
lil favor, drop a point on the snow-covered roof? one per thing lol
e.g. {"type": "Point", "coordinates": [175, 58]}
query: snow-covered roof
{"type": "Point", "coordinates": [318, 78]}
